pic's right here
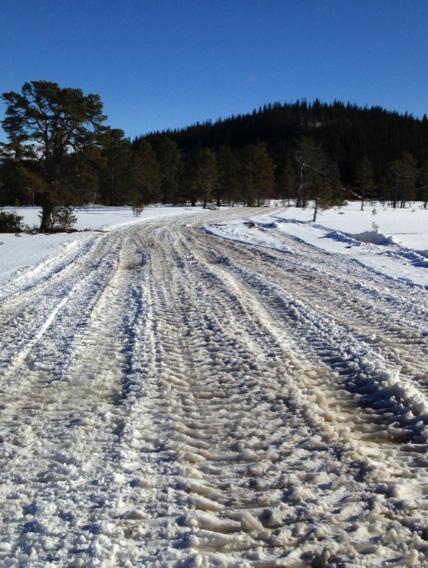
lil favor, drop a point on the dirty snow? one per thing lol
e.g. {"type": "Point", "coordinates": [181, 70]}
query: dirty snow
{"type": "Point", "coordinates": [173, 397]}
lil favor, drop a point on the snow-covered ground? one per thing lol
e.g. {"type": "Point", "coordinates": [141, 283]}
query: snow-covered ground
{"type": "Point", "coordinates": [408, 226]}
{"type": "Point", "coordinates": [101, 217]}
{"type": "Point", "coordinates": [171, 397]}
{"type": "Point", "coordinates": [18, 252]}
{"type": "Point", "coordinates": [393, 242]}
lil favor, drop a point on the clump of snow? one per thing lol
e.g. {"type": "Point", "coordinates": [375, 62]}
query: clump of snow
{"type": "Point", "coordinates": [375, 237]}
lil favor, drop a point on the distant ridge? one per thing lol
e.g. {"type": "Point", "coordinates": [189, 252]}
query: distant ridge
{"type": "Point", "coordinates": [345, 130]}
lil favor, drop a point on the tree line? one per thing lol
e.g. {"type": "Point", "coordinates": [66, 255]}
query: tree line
{"type": "Point", "coordinates": [59, 152]}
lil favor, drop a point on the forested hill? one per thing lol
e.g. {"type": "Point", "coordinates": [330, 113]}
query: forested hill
{"type": "Point", "coordinates": [346, 132]}
{"type": "Point", "coordinates": [323, 153]}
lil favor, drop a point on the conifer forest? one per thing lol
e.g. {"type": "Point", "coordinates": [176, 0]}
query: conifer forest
{"type": "Point", "coordinates": [59, 151]}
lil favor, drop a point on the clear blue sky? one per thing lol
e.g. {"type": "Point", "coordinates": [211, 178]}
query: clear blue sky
{"type": "Point", "coordinates": [169, 63]}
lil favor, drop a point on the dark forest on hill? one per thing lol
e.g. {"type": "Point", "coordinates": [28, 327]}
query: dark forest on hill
{"type": "Point", "coordinates": [59, 152]}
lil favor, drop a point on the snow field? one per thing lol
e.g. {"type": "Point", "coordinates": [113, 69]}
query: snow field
{"type": "Point", "coordinates": [22, 251]}
{"type": "Point", "coordinates": [407, 227]}
{"type": "Point", "coordinates": [392, 242]}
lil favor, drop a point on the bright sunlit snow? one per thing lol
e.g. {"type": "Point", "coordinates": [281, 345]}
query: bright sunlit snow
{"type": "Point", "coordinates": [225, 388]}
{"type": "Point", "coordinates": [18, 252]}
{"type": "Point", "coordinates": [393, 242]}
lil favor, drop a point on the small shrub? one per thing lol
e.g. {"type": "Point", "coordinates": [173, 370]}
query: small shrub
{"type": "Point", "coordinates": [62, 219]}
{"type": "Point", "coordinates": [10, 222]}
{"type": "Point", "coordinates": [137, 210]}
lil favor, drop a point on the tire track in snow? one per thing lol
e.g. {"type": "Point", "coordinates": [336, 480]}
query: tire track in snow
{"type": "Point", "coordinates": [330, 341]}
{"type": "Point", "coordinates": [23, 317]}
{"type": "Point", "coordinates": [219, 532]}
{"type": "Point", "coordinates": [75, 439]}
{"type": "Point", "coordinates": [194, 420]}
{"type": "Point", "coordinates": [400, 340]}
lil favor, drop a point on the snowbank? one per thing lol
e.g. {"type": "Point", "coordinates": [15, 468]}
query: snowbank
{"type": "Point", "coordinates": [391, 242]}
{"type": "Point", "coordinates": [408, 227]}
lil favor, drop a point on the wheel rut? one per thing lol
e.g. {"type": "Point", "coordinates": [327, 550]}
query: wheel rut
{"type": "Point", "coordinates": [181, 400]}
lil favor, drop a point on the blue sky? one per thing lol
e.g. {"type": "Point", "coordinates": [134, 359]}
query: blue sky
{"type": "Point", "coordinates": [169, 63]}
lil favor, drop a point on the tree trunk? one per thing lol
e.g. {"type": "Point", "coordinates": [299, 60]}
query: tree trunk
{"type": "Point", "coordinates": [362, 199]}
{"type": "Point", "coordinates": [46, 222]}
{"type": "Point", "coordinates": [315, 211]}
{"type": "Point", "coordinates": [299, 200]}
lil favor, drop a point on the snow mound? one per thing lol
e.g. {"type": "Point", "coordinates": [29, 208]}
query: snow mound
{"type": "Point", "coordinates": [266, 225]}
{"type": "Point", "coordinates": [374, 237]}
{"type": "Point", "coordinates": [416, 258]}
{"type": "Point", "coordinates": [342, 238]}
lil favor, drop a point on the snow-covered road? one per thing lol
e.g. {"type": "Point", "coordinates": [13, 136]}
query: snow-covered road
{"type": "Point", "coordinates": [172, 398]}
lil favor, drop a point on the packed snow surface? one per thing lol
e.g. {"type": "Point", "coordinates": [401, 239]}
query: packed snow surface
{"type": "Point", "coordinates": [214, 390]}
{"type": "Point", "coordinates": [18, 252]}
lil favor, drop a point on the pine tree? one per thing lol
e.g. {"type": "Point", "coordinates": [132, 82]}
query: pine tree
{"type": "Point", "coordinates": [364, 183]}
{"type": "Point", "coordinates": [144, 176]}
{"type": "Point", "coordinates": [287, 181]}
{"type": "Point", "coordinates": [259, 174]}
{"type": "Point", "coordinates": [229, 183]}
{"type": "Point", "coordinates": [312, 167]}
{"type": "Point", "coordinates": [402, 179]}
{"type": "Point", "coordinates": [409, 178]}
{"type": "Point", "coordinates": [58, 124]}
{"type": "Point", "coordinates": [326, 187]}
{"type": "Point", "coordinates": [206, 174]}
{"type": "Point", "coordinates": [189, 187]}
{"type": "Point", "coordinates": [116, 154]}
{"type": "Point", "coordinates": [423, 183]}
{"type": "Point", "coordinates": [168, 156]}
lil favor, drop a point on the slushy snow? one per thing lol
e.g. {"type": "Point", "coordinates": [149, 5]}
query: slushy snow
{"type": "Point", "coordinates": [227, 388]}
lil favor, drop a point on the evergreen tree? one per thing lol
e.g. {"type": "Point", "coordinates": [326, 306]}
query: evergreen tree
{"type": "Point", "coordinates": [189, 186]}
{"type": "Point", "coordinates": [15, 187]}
{"type": "Point", "coordinates": [144, 176]}
{"type": "Point", "coordinates": [56, 123]}
{"type": "Point", "coordinates": [327, 188]}
{"type": "Point", "coordinates": [287, 181]}
{"type": "Point", "coordinates": [364, 183]}
{"type": "Point", "coordinates": [409, 178]}
{"type": "Point", "coordinates": [206, 174]}
{"type": "Point", "coordinates": [116, 154]}
{"type": "Point", "coordinates": [423, 183]}
{"type": "Point", "coordinates": [402, 179]}
{"type": "Point", "coordinates": [259, 174]}
{"type": "Point", "coordinates": [312, 167]}
{"type": "Point", "coordinates": [168, 156]}
{"type": "Point", "coordinates": [229, 183]}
